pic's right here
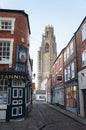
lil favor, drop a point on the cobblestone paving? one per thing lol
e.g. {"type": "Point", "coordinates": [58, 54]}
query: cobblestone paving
{"type": "Point", "coordinates": [43, 117]}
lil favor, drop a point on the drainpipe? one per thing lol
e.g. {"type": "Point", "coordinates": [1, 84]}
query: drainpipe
{"type": "Point", "coordinates": [78, 104]}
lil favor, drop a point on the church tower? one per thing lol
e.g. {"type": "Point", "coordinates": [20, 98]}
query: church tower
{"type": "Point", "coordinates": [46, 54]}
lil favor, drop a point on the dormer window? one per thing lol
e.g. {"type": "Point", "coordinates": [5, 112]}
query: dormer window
{"type": "Point", "coordinates": [7, 24]}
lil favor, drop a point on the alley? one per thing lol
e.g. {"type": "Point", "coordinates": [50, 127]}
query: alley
{"type": "Point", "coordinates": [43, 117]}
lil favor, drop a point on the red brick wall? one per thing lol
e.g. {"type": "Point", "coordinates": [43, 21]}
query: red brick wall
{"type": "Point", "coordinates": [80, 47]}
{"type": "Point", "coordinates": [57, 68]}
{"type": "Point", "coordinates": [21, 30]}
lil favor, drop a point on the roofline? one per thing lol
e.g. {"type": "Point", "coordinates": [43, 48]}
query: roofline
{"type": "Point", "coordinates": [80, 24]}
{"type": "Point", "coordinates": [17, 11]}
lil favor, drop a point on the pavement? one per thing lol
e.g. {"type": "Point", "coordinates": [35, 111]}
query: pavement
{"type": "Point", "coordinates": [81, 120]}
{"type": "Point", "coordinates": [31, 122]}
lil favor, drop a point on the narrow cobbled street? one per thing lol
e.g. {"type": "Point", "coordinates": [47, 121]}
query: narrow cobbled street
{"type": "Point", "coordinates": [43, 117]}
{"type": "Point", "coordinates": [53, 120]}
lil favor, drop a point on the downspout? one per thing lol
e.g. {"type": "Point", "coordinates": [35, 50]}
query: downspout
{"type": "Point", "coordinates": [78, 104]}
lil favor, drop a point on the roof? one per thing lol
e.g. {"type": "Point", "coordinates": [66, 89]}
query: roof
{"type": "Point", "coordinates": [17, 11]}
{"type": "Point", "coordinates": [40, 92]}
{"type": "Point", "coordinates": [81, 24]}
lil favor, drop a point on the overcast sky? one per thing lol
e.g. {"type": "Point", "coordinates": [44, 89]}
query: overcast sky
{"type": "Point", "coordinates": [64, 15]}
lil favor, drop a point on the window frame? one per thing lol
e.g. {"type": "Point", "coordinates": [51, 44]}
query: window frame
{"type": "Point", "coordinates": [84, 32]}
{"type": "Point", "coordinates": [10, 40]}
{"type": "Point", "coordinates": [72, 70]}
{"type": "Point", "coordinates": [71, 47]}
{"type": "Point", "coordinates": [7, 19]}
{"type": "Point", "coordinates": [83, 57]}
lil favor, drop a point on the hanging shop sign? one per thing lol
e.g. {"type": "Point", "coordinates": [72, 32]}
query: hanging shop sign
{"type": "Point", "coordinates": [22, 54]}
{"type": "Point", "coordinates": [11, 76]}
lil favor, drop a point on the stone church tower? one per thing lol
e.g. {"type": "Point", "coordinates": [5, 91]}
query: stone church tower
{"type": "Point", "coordinates": [46, 54]}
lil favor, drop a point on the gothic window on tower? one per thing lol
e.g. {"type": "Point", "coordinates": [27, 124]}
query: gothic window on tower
{"type": "Point", "coordinates": [46, 48]}
{"type": "Point", "coordinates": [47, 34]}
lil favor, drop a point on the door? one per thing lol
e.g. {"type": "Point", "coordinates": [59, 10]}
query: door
{"type": "Point", "coordinates": [17, 103]}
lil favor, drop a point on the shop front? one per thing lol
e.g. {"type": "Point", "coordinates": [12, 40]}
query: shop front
{"type": "Point", "coordinates": [58, 95]}
{"type": "Point", "coordinates": [13, 95]}
{"type": "Point", "coordinates": [71, 98]}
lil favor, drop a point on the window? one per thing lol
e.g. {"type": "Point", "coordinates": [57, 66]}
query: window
{"type": "Point", "coordinates": [68, 72]}
{"type": "Point", "coordinates": [7, 24]}
{"type": "Point", "coordinates": [71, 48]}
{"type": "Point", "coordinates": [84, 32]}
{"type": "Point", "coordinates": [18, 83]}
{"type": "Point", "coordinates": [71, 97]}
{"type": "Point", "coordinates": [3, 91]}
{"type": "Point", "coordinates": [46, 48]}
{"type": "Point", "coordinates": [72, 70]}
{"type": "Point", "coordinates": [84, 58]}
{"type": "Point", "coordinates": [6, 46]}
{"type": "Point", "coordinates": [67, 52]}
{"type": "Point", "coordinates": [65, 56]}
{"type": "Point", "coordinates": [65, 73]}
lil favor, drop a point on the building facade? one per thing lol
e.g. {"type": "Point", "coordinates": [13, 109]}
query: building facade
{"type": "Point", "coordinates": [70, 76]}
{"type": "Point", "coordinates": [46, 54]}
{"type": "Point", "coordinates": [15, 65]}
{"type": "Point", "coordinates": [81, 59]}
{"type": "Point", "coordinates": [58, 81]}
{"type": "Point", "coordinates": [72, 85]}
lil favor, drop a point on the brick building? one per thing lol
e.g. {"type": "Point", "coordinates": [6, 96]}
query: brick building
{"type": "Point", "coordinates": [74, 74]}
{"type": "Point", "coordinates": [70, 76]}
{"type": "Point", "coordinates": [15, 65]}
{"type": "Point", "coordinates": [58, 80]}
{"type": "Point", "coordinates": [80, 40]}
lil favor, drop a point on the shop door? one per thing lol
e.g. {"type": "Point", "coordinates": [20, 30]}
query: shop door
{"type": "Point", "coordinates": [18, 103]}
{"type": "Point", "coordinates": [85, 101]}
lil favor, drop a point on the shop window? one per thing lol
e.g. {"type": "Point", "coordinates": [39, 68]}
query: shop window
{"type": "Point", "coordinates": [71, 97]}
{"type": "Point", "coordinates": [18, 83]}
{"type": "Point", "coordinates": [3, 91]}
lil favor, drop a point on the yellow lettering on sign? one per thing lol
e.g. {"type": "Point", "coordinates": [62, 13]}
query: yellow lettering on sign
{"type": "Point", "coordinates": [11, 76]}
{"type": "Point", "coordinates": [15, 76]}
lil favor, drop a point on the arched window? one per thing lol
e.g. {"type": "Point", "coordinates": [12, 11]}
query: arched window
{"type": "Point", "coordinates": [46, 48]}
